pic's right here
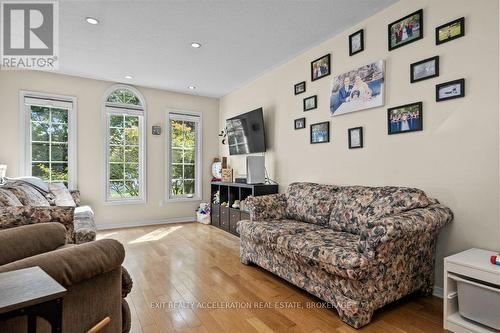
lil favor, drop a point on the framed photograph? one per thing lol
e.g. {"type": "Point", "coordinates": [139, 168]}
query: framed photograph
{"type": "Point", "coordinates": [424, 69]}
{"type": "Point", "coordinates": [356, 42]}
{"type": "Point", "coordinates": [299, 88]}
{"type": "Point", "coordinates": [355, 137]}
{"type": "Point", "coordinates": [450, 90]}
{"type": "Point", "coordinates": [406, 30]}
{"type": "Point", "coordinates": [450, 31]}
{"type": "Point", "coordinates": [300, 123]}
{"type": "Point", "coordinates": [359, 89]}
{"type": "Point", "coordinates": [320, 67]}
{"type": "Point", "coordinates": [404, 118]}
{"type": "Point", "coordinates": [310, 103]}
{"type": "Point", "coordinates": [320, 132]}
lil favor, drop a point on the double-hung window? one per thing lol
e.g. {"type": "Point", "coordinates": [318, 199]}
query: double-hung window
{"type": "Point", "coordinates": [124, 149]}
{"type": "Point", "coordinates": [49, 137]}
{"type": "Point", "coordinates": [183, 156]}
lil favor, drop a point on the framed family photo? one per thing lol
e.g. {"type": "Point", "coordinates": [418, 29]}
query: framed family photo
{"type": "Point", "coordinates": [450, 31]}
{"type": "Point", "coordinates": [424, 69]}
{"type": "Point", "coordinates": [299, 88]}
{"type": "Point", "coordinates": [406, 30]}
{"type": "Point", "coordinates": [320, 67]}
{"type": "Point", "coordinates": [300, 123]}
{"type": "Point", "coordinates": [310, 103]}
{"type": "Point", "coordinates": [450, 90]}
{"type": "Point", "coordinates": [320, 132]}
{"type": "Point", "coordinates": [356, 42]}
{"type": "Point", "coordinates": [359, 89]}
{"type": "Point", "coordinates": [405, 118]}
{"type": "Point", "coordinates": [355, 137]}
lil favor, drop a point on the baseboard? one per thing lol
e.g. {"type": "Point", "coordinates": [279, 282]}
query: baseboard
{"type": "Point", "coordinates": [146, 223]}
{"type": "Point", "coordinates": [438, 292]}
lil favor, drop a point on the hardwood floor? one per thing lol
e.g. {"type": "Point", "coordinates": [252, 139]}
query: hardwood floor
{"type": "Point", "coordinates": [197, 263]}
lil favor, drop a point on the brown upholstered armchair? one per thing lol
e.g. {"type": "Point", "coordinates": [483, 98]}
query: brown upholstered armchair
{"type": "Point", "coordinates": [91, 272]}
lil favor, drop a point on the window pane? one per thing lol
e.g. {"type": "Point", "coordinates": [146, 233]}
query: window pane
{"type": "Point", "coordinates": [59, 132]}
{"type": "Point", "coordinates": [59, 116]}
{"type": "Point", "coordinates": [59, 152]}
{"type": "Point", "coordinates": [40, 152]}
{"type": "Point", "coordinates": [132, 171]}
{"type": "Point", "coordinates": [116, 171]}
{"type": "Point", "coordinates": [41, 170]}
{"type": "Point", "coordinates": [177, 156]}
{"type": "Point", "coordinates": [132, 189]}
{"type": "Point", "coordinates": [190, 135]}
{"type": "Point", "coordinates": [123, 96]}
{"type": "Point", "coordinates": [177, 187]}
{"type": "Point", "coordinates": [116, 188]}
{"type": "Point", "coordinates": [177, 133]}
{"type": "Point", "coordinates": [189, 156]}
{"type": "Point", "coordinates": [39, 113]}
{"type": "Point", "coordinates": [116, 136]}
{"type": "Point", "coordinates": [189, 171]}
{"type": "Point", "coordinates": [189, 187]}
{"type": "Point", "coordinates": [176, 171]}
{"type": "Point", "coordinates": [39, 132]}
{"type": "Point", "coordinates": [59, 171]}
{"type": "Point", "coordinates": [131, 121]}
{"type": "Point", "coordinates": [116, 154]}
{"type": "Point", "coordinates": [116, 121]}
{"type": "Point", "coordinates": [131, 136]}
{"type": "Point", "coordinates": [132, 154]}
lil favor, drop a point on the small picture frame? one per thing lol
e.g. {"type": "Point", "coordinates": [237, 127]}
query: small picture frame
{"type": "Point", "coordinates": [156, 130]}
{"type": "Point", "coordinates": [320, 132]}
{"type": "Point", "coordinates": [355, 136]}
{"type": "Point", "coordinates": [406, 30]}
{"type": "Point", "coordinates": [356, 42]}
{"type": "Point", "coordinates": [450, 31]}
{"type": "Point", "coordinates": [299, 88]}
{"type": "Point", "coordinates": [310, 103]}
{"type": "Point", "coordinates": [320, 67]}
{"type": "Point", "coordinates": [300, 123]}
{"type": "Point", "coordinates": [424, 69]}
{"type": "Point", "coordinates": [450, 90]}
{"type": "Point", "coordinates": [405, 118]}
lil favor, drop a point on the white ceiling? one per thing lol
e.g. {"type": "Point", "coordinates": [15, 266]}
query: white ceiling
{"type": "Point", "coordinates": [240, 39]}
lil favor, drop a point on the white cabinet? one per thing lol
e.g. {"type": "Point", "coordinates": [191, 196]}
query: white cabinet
{"type": "Point", "coordinates": [473, 264]}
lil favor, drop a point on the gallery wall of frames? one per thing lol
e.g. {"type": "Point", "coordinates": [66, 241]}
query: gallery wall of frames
{"type": "Point", "coordinates": [364, 87]}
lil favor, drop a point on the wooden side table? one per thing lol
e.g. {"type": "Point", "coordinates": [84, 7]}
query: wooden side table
{"type": "Point", "coordinates": [31, 292]}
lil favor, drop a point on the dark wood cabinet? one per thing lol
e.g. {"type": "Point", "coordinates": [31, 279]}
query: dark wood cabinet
{"type": "Point", "coordinates": [226, 217]}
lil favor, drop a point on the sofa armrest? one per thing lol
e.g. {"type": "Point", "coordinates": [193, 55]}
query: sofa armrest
{"type": "Point", "coordinates": [73, 264]}
{"type": "Point", "coordinates": [266, 207]}
{"type": "Point", "coordinates": [76, 197]}
{"type": "Point", "coordinates": [30, 240]}
{"type": "Point", "coordinates": [406, 225]}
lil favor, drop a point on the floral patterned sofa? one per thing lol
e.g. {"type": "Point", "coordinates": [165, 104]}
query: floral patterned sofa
{"type": "Point", "coordinates": [23, 203]}
{"type": "Point", "coordinates": [358, 248]}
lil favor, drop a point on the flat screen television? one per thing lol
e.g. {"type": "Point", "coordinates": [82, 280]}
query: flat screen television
{"type": "Point", "coordinates": [245, 133]}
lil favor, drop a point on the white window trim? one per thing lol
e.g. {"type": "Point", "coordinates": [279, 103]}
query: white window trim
{"type": "Point", "coordinates": [199, 156]}
{"type": "Point", "coordinates": [114, 109]}
{"type": "Point", "coordinates": [25, 132]}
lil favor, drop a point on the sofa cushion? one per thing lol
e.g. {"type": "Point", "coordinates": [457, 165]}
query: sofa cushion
{"type": "Point", "coordinates": [269, 231]}
{"type": "Point", "coordinates": [7, 198]}
{"type": "Point", "coordinates": [333, 251]}
{"type": "Point", "coordinates": [62, 196]}
{"type": "Point", "coordinates": [310, 202]}
{"type": "Point", "coordinates": [357, 206]}
{"type": "Point", "coordinates": [28, 195]}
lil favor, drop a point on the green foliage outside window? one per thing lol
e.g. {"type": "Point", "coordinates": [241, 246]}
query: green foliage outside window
{"type": "Point", "coordinates": [182, 171]}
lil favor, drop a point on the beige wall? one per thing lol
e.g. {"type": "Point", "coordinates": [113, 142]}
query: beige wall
{"type": "Point", "coordinates": [455, 157]}
{"type": "Point", "coordinates": [90, 141]}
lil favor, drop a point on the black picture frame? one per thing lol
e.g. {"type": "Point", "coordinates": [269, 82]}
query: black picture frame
{"type": "Point", "coordinates": [460, 21]}
{"type": "Point", "coordinates": [327, 123]}
{"type": "Point", "coordinates": [304, 102]}
{"type": "Point", "coordinates": [419, 125]}
{"type": "Point", "coordinates": [327, 56]}
{"type": "Point", "coordinates": [349, 131]}
{"type": "Point", "coordinates": [415, 64]}
{"type": "Point", "coordinates": [361, 32]}
{"type": "Point", "coordinates": [295, 86]}
{"type": "Point", "coordinates": [303, 123]}
{"type": "Point", "coordinates": [460, 82]}
{"type": "Point", "coordinates": [419, 12]}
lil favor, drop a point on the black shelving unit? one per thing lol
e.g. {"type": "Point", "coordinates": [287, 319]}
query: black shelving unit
{"type": "Point", "coordinates": [227, 217]}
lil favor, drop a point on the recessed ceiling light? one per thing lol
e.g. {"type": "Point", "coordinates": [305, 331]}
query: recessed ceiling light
{"type": "Point", "coordinates": [195, 45]}
{"type": "Point", "coordinates": [191, 87]}
{"type": "Point", "coordinates": [129, 77]}
{"type": "Point", "coordinates": [92, 20]}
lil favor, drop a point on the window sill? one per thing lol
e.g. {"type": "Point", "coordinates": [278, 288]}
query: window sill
{"type": "Point", "coordinates": [124, 202]}
{"type": "Point", "coordinates": [182, 199]}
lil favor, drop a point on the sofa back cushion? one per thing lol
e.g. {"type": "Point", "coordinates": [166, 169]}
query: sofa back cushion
{"type": "Point", "coordinates": [357, 206]}
{"type": "Point", "coordinates": [7, 198]}
{"type": "Point", "coordinates": [62, 196]}
{"type": "Point", "coordinates": [309, 202]}
{"type": "Point", "coordinates": [27, 195]}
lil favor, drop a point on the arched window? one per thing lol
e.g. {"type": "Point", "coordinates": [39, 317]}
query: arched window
{"type": "Point", "coordinates": [124, 113]}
